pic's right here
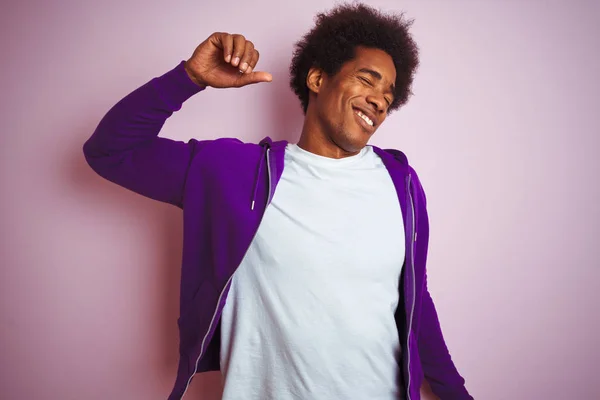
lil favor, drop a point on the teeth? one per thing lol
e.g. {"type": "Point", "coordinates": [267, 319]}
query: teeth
{"type": "Point", "coordinates": [363, 116]}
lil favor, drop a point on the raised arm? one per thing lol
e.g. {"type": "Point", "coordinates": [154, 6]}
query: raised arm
{"type": "Point", "coordinates": [125, 147]}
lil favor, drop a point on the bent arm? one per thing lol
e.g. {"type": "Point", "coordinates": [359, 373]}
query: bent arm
{"type": "Point", "coordinates": [125, 147]}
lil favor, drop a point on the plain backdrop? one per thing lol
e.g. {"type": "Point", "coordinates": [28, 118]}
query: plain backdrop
{"type": "Point", "coordinates": [503, 129]}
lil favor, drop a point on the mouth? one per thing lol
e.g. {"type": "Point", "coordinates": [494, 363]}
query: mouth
{"type": "Point", "coordinates": [364, 119]}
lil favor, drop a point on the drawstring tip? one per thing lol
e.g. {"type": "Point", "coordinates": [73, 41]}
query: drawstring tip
{"type": "Point", "coordinates": [252, 205]}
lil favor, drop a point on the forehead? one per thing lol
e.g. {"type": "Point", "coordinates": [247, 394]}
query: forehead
{"type": "Point", "coordinates": [374, 59]}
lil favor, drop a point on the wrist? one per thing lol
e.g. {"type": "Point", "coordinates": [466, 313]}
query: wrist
{"type": "Point", "coordinates": [192, 77]}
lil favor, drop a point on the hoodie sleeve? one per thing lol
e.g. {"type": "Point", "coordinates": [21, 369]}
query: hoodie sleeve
{"type": "Point", "coordinates": [125, 147]}
{"type": "Point", "coordinates": [438, 367]}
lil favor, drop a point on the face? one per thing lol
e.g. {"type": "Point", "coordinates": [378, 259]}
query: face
{"type": "Point", "coordinates": [350, 105]}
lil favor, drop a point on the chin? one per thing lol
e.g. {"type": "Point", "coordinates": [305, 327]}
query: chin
{"type": "Point", "coordinates": [349, 137]}
{"type": "Point", "coordinates": [353, 143]}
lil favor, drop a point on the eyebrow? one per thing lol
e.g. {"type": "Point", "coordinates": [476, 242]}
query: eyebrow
{"type": "Point", "coordinates": [378, 76]}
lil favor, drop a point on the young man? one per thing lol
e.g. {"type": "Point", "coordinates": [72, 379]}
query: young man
{"type": "Point", "coordinates": [303, 264]}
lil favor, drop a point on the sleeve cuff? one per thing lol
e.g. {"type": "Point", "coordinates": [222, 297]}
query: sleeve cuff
{"type": "Point", "coordinates": [175, 87]}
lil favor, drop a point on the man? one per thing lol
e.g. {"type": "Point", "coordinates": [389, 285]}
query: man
{"type": "Point", "coordinates": [303, 273]}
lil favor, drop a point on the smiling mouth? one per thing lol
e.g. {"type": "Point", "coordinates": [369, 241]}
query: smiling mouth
{"type": "Point", "coordinates": [365, 121]}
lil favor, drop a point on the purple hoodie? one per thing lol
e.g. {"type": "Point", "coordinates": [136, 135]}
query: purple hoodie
{"type": "Point", "coordinates": [224, 187]}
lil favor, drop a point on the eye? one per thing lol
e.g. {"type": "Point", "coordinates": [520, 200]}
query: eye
{"type": "Point", "coordinates": [365, 80]}
{"type": "Point", "coordinates": [388, 101]}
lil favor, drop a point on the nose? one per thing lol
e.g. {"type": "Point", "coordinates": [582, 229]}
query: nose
{"type": "Point", "coordinates": [378, 102]}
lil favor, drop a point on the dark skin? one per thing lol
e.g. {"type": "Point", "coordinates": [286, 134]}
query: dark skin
{"type": "Point", "coordinates": [332, 125]}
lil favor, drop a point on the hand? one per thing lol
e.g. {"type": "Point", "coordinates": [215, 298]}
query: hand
{"type": "Point", "coordinates": [224, 60]}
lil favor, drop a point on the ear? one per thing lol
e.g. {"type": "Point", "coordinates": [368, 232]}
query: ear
{"type": "Point", "coordinates": [314, 79]}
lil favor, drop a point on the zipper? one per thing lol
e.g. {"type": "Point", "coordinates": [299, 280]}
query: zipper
{"type": "Point", "coordinates": [227, 285]}
{"type": "Point", "coordinates": [187, 385]}
{"type": "Point", "coordinates": [412, 265]}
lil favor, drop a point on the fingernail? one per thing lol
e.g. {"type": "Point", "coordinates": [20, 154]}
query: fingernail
{"type": "Point", "coordinates": [244, 66]}
{"type": "Point", "coordinates": [236, 61]}
{"type": "Point", "coordinates": [228, 58]}
{"type": "Point", "coordinates": [249, 70]}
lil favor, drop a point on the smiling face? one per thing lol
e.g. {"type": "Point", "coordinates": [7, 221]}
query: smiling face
{"type": "Point", "coordinates": [344, 110]}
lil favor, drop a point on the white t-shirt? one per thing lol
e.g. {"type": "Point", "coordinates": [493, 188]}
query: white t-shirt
{"type": "Point", "coordinates": [310, 312]}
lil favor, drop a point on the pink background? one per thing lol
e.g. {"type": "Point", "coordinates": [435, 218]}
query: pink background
{"type": "Point", "coordinates": [504, 130]}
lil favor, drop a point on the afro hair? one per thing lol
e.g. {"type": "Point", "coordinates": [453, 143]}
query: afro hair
{"type": "Point", "coordinates": [335, 36]}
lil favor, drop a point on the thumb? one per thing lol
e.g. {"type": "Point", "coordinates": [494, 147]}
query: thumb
{"type": "Point", "coordinates": [255, 77]}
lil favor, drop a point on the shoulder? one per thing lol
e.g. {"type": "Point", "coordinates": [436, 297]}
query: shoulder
{"type": "Point", "coordinates": [416, 184]}
{"type": "Point", "coordinates": [398, 155]}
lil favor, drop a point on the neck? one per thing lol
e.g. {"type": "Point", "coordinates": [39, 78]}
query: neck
{"type": "Point", "coordinates": [314, 139]}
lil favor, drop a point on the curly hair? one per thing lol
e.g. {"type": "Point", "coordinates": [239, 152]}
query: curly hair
{"type": "Point", "coordinates": [333, 41]}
